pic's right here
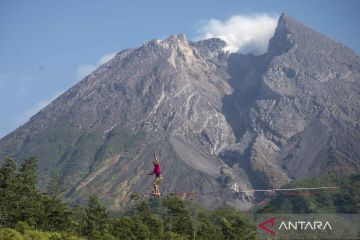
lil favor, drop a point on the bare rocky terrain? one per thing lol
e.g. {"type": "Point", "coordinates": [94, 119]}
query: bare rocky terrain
{"type": "Point", "coordinates": [220, 122]}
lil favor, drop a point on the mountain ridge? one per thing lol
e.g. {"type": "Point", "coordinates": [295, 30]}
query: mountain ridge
{"type": "Point", "coordinates": [234, 121]}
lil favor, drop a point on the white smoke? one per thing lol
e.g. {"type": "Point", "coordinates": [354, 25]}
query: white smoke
{"type": "Point", "coordinates": [85, 69]}
{"type": "Point", "coordinates": [244, 34]}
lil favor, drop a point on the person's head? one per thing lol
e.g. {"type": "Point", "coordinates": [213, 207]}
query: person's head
{"type": "Point", "coordinates": [154, 162]}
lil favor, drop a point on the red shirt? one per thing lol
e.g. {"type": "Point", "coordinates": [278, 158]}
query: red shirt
{"type": "Point", "coordinates": [157, 169]}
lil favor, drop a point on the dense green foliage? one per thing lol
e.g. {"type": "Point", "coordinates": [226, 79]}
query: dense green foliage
{"type": "Point", "coordinates": [345, 199]}
{"type": "Point", "coordinates": [20, 200]}
{"type": "Point", "coordinates": [26, 213]}
{"type": "Point", "coordinates": [13, 234]}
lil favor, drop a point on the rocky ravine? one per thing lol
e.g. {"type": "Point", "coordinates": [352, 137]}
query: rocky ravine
{"type": "Point", "coordinates": [220, 122]}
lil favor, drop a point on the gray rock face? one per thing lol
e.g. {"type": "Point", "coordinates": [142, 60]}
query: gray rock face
{"type": "Point", "coordinates": [220, 122]}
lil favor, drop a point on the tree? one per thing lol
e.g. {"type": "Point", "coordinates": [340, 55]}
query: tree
{"type": "Point", "coordinates": [57, 216]}
{"type": "Point", "coordinates": [22, 203]}
{"type": "Point", "coordinates": [207, 229]}
{"type": "Point", "coordinates": [177, 217]}
{"type": "Point", "coordinates": [139, 229]}
{"type": "Point", "coordinates": [30, 202]}
{"type": "Point", "coordinates": [8, 189]}
{"type": "Point", "coordinates": [28, 173]}
{"type": "Point", "coordinates": [153, 223]}
{"type": "Point", "coordinates": [97, 218]}
{"type": "Point", "coordinates": [233, 224]}
{"type": "Point", "coordinates": [121, 228]}
{"type": "Point", "coordinates": [7, 173]}
{"type": "Point", "coordinates": [54, 188]}
{"type": "Point", "coordinates": [78, 219]}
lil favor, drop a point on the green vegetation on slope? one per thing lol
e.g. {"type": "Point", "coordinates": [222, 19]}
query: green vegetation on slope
{"type": "Point", "coordinates": [346, 199]}
{"type": "Point", "coordinates": [73, 153]}
{"type": "Point", "coordinates": [119, 140]}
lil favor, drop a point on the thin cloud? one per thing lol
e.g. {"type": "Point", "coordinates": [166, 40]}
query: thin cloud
{"type": "Point", "coordinates": [242, 33]}
{"type": "Point", "coordinates": [36, 108]}
{"type": "Point", "coordinates": [85, 69]}
{"type": "Point", "coordinates": [105, 58]}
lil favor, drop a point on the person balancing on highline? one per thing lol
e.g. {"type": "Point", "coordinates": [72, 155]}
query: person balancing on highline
{"type": "Point", "coordinates": [157, 172]}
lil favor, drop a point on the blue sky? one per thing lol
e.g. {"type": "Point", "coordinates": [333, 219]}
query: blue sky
{"type": "Point", "coordinates": [45, 45]}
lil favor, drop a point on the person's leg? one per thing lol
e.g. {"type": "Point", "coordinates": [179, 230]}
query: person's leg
{"type": "Point", "coordinates": [156, 185]}
{"type": "Point", "coordinates": [159, 180]}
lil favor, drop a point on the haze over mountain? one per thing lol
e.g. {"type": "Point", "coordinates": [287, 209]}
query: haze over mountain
{"type": "Point", "coordinates": [218, 120]}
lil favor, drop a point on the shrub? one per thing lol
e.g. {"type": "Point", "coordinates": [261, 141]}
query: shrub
{"type": "Point", "coordinates": [10, 234]}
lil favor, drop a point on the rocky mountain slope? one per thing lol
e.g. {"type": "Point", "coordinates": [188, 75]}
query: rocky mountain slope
{"type": "Point", "coordinates": [219, 122]}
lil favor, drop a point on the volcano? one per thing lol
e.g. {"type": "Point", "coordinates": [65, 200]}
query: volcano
{"type": "Point", "coordinates": [220, 122]}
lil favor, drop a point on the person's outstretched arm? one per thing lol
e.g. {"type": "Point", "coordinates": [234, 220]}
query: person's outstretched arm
{"type": "Point", "coordinates": [150, 173]}
{"type": "Point", "coordinates": [155, 157]}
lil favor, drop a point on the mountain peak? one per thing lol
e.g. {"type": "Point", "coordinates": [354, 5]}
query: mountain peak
{"type": "Point", "coordinates": [170, 42]}
{"type": "Point", "coordinates": [179, 36]}
{"type": "Point", "coordinates": [281, 42]}
{"type": "Point", "coordinates": [176, 38]}
{"type": "Point", "coordinates": [285, 18]}
{"type": "Point", "coordinates": [288, 24]}
{"type": "Point", "coordinates": [289, 32]}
